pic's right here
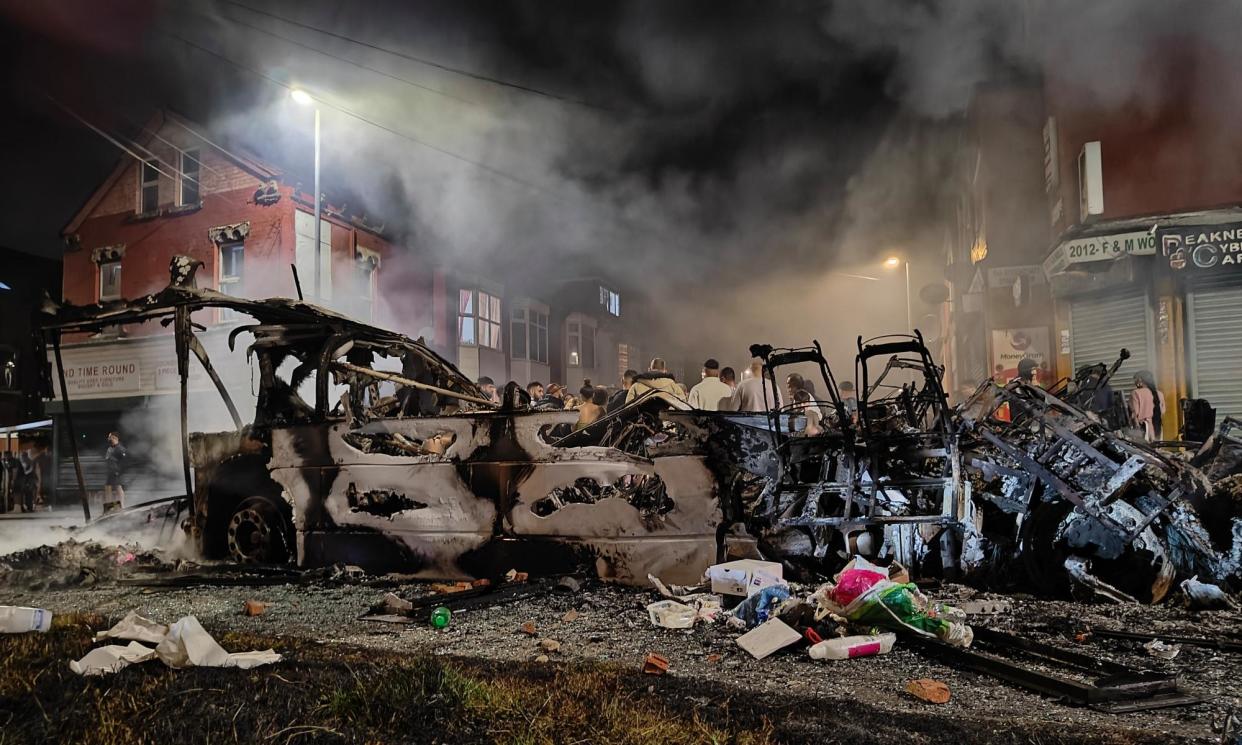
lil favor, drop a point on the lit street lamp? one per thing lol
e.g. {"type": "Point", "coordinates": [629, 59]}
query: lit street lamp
{"type": "Point", "coordinates": [893, 262]}
{"type": "Point", "coordinates": [305, 99]}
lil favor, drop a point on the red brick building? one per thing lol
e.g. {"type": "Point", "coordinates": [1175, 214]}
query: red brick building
{"type": "Point", "coordinates": [249, 227]}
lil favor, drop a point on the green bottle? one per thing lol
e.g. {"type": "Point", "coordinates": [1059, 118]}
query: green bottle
{"type": "Point", "coordinates": [440, 617]}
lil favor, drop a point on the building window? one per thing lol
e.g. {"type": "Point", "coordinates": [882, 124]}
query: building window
{"type": "Point", "coordinates": [580, 343]}
{"type": "Point", "coordinates": [149, 196]}
{"type": "Point", "coordinates": [478, 318]}
{"type": "Point", "coordinates": [610, 300]}
{"type": "Point", "coordinates": [110, 280]}
{"type": "Point", "coordinates": [367, 265]}
{"type": "Point", "coordinates": [189, 177]}
{"type": "Point", "coordinates": [489, 321]}
{"type": "Point", "coordinates": [517, 334]}
{"type": "Point", "coordinates": [528, 335]}
{"type": "Point", "coordinates": [232, 268]}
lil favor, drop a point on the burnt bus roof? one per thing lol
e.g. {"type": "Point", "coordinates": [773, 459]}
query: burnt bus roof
{"type": "Point", "coordinates": [281, 321]}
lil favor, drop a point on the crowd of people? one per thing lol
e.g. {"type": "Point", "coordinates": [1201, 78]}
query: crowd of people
{"type": "Point", "coordinates": [718, 389]}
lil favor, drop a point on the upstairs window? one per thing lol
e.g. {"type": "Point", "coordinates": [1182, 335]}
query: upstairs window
{"type": "Point", "coordinates": [610, 300]}
{"type": "Point", "coordinates": [110, 280]}
{"type": "Point", "coordinates": [149, 193]}
{"type": "Point", "coordinates": [489, 321]}
{"type": "Point", "coordinates": [190, 168]}
{"type": "Point", "coordinates": [580, 344]}
{"type": "Point", "coordinates": [528, 335]}
{"type": "Point", "coordinates": [478, 318]}
{"type": "Point", "coordinates": [366, 267]}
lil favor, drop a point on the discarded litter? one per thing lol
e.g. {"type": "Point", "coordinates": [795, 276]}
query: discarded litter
{"type": "Point", "coordinates": [655, 664]}
{"type": "Point", "coordinates": [18, 620]}
{"type": "Point", "coordinates": [254, 608]}
{"type": "Point", "coordinates": [397, 604]}
{"type": "Point", "coordinates": [528, 628]}
{"type": "Point", "coordinates": [744, 576]}
{"type": "Point", "coordinates": [549, 645]}
{"type": "Point", "coordinates": [931, 691]}
{"type": "Point", "coordinates": [756, 609]}
{"type": "Point", "coordinates": [1157, 648]}
{"type": "Point", "coordinates": [440, 617]}
{"type": "Point", "coordinates": [1204, 596]}
{"type": "Point", "coordinates": [845, 647]}
{"type": "Point", "coordinates": [183, 644]}
{"type": "Point", "coordinates": [767, 638]}
{"type": "Point", "coordinates": [670, 614]}
{"type": "Point", "coordinates": [570, 616]}
{"type": "Point", "coordinates": [867, 598]}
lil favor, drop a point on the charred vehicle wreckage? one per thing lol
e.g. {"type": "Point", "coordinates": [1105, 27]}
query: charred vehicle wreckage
{"type": "Point", "coordinates": [369, 448]}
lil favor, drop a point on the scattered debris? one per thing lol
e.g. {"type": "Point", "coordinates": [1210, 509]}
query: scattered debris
{"type": "Point", "coordinates": [655, 664]}
{"type": "Point", "coordinates": [542, 658]}
{"type": "Point", "coordinates": [847, 647]}
{"type": "Point", "coordinates": [985, 607]}
{"type": "Point", "coordinates": [254, 608]}
{"type": "Point", "coordinates": [1157, 648]}
{"type": "Point", "coordinates": [570, 616]}
{"type": "Point", "coordinates": [1203, 596]}
{"type": "Point", "coordinates": [549, 645]}
{"type": "Point", "coordinates": [397, 604]}
{"type": "Point", "coordinates": [568, 586]}
{"type": "Point", "coordinates": [931, 691]}
{"type": "Point", "coordinates": [19, 620]}
{"type": "Point", "coordinates": [183, 644]}
{"type": "Point", "coordinates": [767, 638]}
{"type": "Point", "coordinates": [744, 576]}
{"type": "Point", "coordinates": [528, 628]}
{"type": "Point", "coordinates": [670, 614]}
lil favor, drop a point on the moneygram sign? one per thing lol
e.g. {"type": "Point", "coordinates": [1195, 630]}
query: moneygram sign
{"type": "Point", "coordinates": [1212, 248]}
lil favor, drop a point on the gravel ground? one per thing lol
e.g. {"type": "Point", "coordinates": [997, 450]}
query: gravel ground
{"type": "Point", "coordinates": [612, 626]}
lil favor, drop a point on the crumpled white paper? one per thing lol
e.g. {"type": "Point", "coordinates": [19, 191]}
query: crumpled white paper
{"type": "Point", "coordinates": [184, 644]}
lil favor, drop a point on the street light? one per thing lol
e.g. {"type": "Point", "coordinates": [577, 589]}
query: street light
{"type": "Point", "coordinates": [305, 99]}
{"type": "Point", "coordinates": [893, 262]}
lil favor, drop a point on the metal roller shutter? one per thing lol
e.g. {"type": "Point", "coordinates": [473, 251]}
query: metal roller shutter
{"type": "Point", "coordinates": [1101, 327]}
{"type": "Point", "coordinates": [1213, 309]}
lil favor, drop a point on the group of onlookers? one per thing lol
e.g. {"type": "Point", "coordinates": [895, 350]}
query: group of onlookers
{"type": "Point", "coordinates": [718, 389]}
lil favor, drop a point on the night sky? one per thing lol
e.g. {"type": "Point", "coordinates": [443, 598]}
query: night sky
{"type": "Point", "coordinates": [746, 150]}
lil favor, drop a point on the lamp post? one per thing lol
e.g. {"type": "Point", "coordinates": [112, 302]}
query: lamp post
{"type": "Point", "coordinates": [893, 262]}
{"type": "Point", "coordinates": [305, 99]}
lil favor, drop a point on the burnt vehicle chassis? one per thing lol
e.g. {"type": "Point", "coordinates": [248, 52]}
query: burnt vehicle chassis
{"type": "Point", "coordinates": [1016, 486]}
{"type": "Point", "coordinates": [427, 477]}
{"type": "Point", "coordinates": [409, 468]}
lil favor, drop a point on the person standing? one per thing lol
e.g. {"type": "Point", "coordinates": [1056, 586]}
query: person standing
{"type": "Point", "coordinates": [617, 399]}
{"type": "Point", "coordinates": [657, 378]}
{"type": "Point", "coordinates": [707, 393]}
{"type": "Point", "coordinates": [114, 462]}
{"type": "Point", "coordinates": [728, 376]}
{"type": "Point", "coordinates": [1147, 405]}
{"type": "Point", "coordinates": [553, 398]}
{"type": "Point", "coordinates": [756, 391]}
{"type": "Point", "coordinates": [849, 399]}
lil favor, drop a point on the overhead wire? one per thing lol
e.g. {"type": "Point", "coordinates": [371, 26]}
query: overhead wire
{"type": "Point", "coordinates": [492, 170]}
{"type": "Point", "coordinates": [425, 61]}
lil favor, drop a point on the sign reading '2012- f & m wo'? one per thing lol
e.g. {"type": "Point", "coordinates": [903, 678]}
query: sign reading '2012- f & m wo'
{"type": "Point", "coordinates": [1203, 247]}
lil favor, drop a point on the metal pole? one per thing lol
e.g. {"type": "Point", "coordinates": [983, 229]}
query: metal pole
{"type": "Point", "coordinates": [909, 322]}
{"type": "Point", "coordinates": [318, 237]}
{"type": "Point", "coordinates": [73, 438]}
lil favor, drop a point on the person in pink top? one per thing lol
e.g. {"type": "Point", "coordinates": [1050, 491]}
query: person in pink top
{"type": "Point", "coordinates": [1147, 405]}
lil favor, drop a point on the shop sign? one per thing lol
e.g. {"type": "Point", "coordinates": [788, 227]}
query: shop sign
{"type": "Point", "coordinates": [1010, 346]}
{"type": "Point", "coordinates": [116, 376]}
{"type": "Point", "coordinates": [1100, 248]}
{"type": "Point", "coordinates": [1211, 248]}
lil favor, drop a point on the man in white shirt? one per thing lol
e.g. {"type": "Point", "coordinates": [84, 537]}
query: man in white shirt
{"type": "Point", "coordinates": [706, 394]}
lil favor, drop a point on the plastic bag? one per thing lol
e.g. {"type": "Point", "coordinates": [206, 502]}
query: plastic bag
{"type": "Point", "coordinates": [855, 582]}
{"type": "Point", "coordinates": [756, 609]}
{"type": "Point", "coordinates": [902, 607]}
